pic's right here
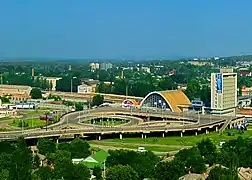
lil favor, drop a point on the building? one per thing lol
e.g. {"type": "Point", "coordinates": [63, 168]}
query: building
{"type": "Point", "coordinates": [224, 92]}
{"type": "Point", "coordinates": [146, 69]}
{"type": "Point", "coordinates": [84, 88]}
{"type": "Point", "coordinates": [52, 81]}
{"type": "Point", "coordinates": [105, 66]}
{"type": "Point", "coordinates": [16, 92]}
{"type": "Point", "coordinates": [173, 100]}
{"type": "Point", "coordinates": [94, 66]}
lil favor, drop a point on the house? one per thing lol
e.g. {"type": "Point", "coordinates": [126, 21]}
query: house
{"type": "Point", "coordinates": [96, 159]}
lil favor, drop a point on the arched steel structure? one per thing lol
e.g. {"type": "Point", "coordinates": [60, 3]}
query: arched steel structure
{"type": "Point", "coordinates": [172, 100]}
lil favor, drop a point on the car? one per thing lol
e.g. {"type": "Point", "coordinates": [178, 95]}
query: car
{"type": "Point", "coordinates": [141, 149]}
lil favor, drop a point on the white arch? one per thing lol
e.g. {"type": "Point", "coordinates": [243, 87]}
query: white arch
{"type": "Point", "coordinates": [155, 92]}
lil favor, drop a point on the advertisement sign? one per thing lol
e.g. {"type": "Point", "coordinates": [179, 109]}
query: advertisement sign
{"type": "Point", "coordinates": [219, 83]}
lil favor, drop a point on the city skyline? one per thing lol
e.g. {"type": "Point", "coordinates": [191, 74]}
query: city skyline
{"type": "Point", "coordinates": [126, 30]}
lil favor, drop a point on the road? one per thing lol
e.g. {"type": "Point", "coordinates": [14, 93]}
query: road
{"type": "Point", "coordinates": [73, 119]}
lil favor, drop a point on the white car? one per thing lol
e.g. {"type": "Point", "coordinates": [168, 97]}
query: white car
{"type": "Point", "coordinates": [141, 149]}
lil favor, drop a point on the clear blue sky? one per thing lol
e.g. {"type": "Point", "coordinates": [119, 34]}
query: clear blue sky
{"type": "Point", "coordinates": [124, 29]}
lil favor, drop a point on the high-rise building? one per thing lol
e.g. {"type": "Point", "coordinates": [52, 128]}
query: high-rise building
{"type": "Point", "coordinates": [224, 92]}
{"type": "Point", "coordinates": [33, 72]}
{"type": "Point", "coordinates": [105, 66]}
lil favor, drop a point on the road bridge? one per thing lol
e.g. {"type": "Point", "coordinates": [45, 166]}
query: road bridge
{"type": "Point", "coordinates": [198, 123]}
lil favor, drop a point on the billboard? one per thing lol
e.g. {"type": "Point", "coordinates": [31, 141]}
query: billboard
{"type": "Point", "coordinates": [219, 83]}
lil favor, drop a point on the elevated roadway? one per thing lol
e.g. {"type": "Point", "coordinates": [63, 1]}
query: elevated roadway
{"type": "Point", "coordinates": [70, 124]}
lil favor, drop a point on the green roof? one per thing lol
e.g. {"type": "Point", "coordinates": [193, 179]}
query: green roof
{"type": "Point", "coordinates": [96, 159]}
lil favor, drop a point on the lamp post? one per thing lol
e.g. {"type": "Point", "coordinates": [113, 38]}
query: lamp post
{"type": "Point", "coordinates": [72, 84]}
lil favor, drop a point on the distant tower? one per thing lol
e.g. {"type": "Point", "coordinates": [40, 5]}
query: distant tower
{"type": "Point", "coordinates": [33, 73]}
{"type": "Point", "coordinates": [69, 67]}
{"type": "Point", "coordinates": [122, 75]}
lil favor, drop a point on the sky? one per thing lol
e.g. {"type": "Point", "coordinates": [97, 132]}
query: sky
{"type": "Point", "coordinates": [124, 29]}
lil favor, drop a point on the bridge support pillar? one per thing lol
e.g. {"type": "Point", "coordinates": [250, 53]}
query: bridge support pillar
{"type": "Point", "coordinates": [230, 126]}
{"type": "Point", "coordinates": [206, 131]}
{"type": "Point", "coordinates": [216, 128]}
{"type": "Point", "coordinates": [121, 136]}
{"type": "Point", "coordinates": [181, 134]}
{"type": "Point", "coordinates": [142, 136]}
{"type": "Point", "coordinates": [163, 134]}
{"type": "Point", "coordinates": [57, 141]}
{"type": "Point", "coordinates": [145, 136]}
{"type": "Point", "coordinates": [196, 133]}
{"type": "Point", "coordinates": [99, 138]}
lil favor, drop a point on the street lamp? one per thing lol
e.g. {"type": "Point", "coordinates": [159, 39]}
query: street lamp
{"type": "Point", "coordinates": [72, 84]}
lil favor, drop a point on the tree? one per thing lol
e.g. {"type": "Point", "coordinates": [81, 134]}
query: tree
{"type": "Point", "coordinates": [206, 147]}
{"type": "Point", "coordinates": [80, 148]}
{"type": "Point", "coordinates": [193, 89]}
{"type": "Point", "coordinates": [97, 172]}
{"type": "Point", "coordinates": [121, 173]}
{"type": "Point", "coordinates": [45, 173]}
{"type": "Point", "coordinates": [169, 170]}
{"type": "Point", "coordinates": [192, 159]}
{"type": "Point", "coordinates": [142, 163]}
{"type": "Point", "coordinates": [65, 146]}
{"type": "Point", "coordinates": [36, 93]}
{"type": "Point", "coordinates": [21, 161]}
{"type": "Point", "coordinates": [80, 172]}
{"type": "Point", "coordinates": [36, 161]}
{"type": "Point", "coordinates": [97, 100]}
{"type": "Point", "coordinates": [219, 173]}
{"type": "Point", "coordinates": [46, 146]}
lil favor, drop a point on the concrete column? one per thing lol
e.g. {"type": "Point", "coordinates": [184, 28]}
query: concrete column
{"type": "Point", "coordinates": [216, 128]}
{"type": "Point", "coordinates": [145, 136]}
{"type": "Point", "coordinates": [142, 136]}
{"type": "Point", "coordinates": [163, 135]}
{"type": "Point", "coordinates": [230, 126]}
{"type": "Point", "coordinates": [196, 133]}
{"type": "Point", "coordinates": [57, 141]}
{"type": "Point", "coordinates": [181, 134]}
{"type": "Point", "coordinates": [206, 131]}
{"type": "Point", "coordinates": [99, 138]}
{"type": "Point", "coordinates": [121, 136]}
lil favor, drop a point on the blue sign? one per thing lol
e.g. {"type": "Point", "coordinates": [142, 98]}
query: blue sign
{"type": "Point", "coordinates": [219, 83]}
{"type": "Point", "coordinates": [197, 103]}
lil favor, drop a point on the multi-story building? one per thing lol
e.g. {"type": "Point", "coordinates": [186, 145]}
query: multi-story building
{"type": "Point", "coordinates": [94, 66]}
{"type": "Point", "coordinates": [105, 66]}
{"type": "Point", "coordinates": [224, 92]}
{"type": "Point", "coordinates": [84, 88]}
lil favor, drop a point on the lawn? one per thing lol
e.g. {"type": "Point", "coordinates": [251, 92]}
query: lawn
{"type": "Point", "coordinates": [182, 141]}
{"type": "Point", "coordinates": [31, 112]}
{"type": "Point", "coordinates": [30, 123]}
{"type": "Point", "coordinates": [5, 118]}
{"type": "Point", "coordinates": [149, 148]}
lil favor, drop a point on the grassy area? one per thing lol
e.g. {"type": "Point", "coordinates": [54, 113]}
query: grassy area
{"type": "Point", "coordinates": [149, 148]}
{"type": "Point", "coordinates": [5, 118]}
{"type": "Point", "coordinates": [32, 112]}
{"type": "Point", "coordinates": [106, 123]}
{"type": "Point", "coordinates": [29, 123]}
{"type": "Point", "coordinates": [183, 141]}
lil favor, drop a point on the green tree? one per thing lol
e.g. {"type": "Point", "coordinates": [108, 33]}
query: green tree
{"type": "Point", "coordinates": [36, 161]}
{"type": "Point", "coordinates": [97, 172]}
{"type": "Point", "coordinates": [21, 161]}
{"type": "Point", "coordinates": [193, 89]}
{"type": "Point", "coordinates": [45, 146]}
{"type": "Point", "coordinates": [80, 148]}
{"type": "Point", "coordinates": [65, 146]}
{"type": "Point", "coordinates": [80, 172]}
{"type": "Point", "coordinates": [36, 93]}
{"type": "Point", "coordinates": [45, 173]}
{"type": "Point", "coordinates": [219, 173]}
{"type": "Point", "coordinates": [169, 170]}
{"type": "Point", "coordinates": [121, 173]}
{"type": "Point", "coordinates": [97, 100]}
{"type": "Point", "coordinates": [192, 159]}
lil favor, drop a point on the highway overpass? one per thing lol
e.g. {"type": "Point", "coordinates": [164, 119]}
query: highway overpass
{"type": "Point", "coordinates": [70, 124]}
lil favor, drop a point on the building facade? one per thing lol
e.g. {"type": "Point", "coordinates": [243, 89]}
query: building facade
{"type": "Point", "coordinates": [224, 92]}
{"type": "Point", "coordinates": [83, 88]}
{"type": "Point", "coordinates": [106, 66]}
